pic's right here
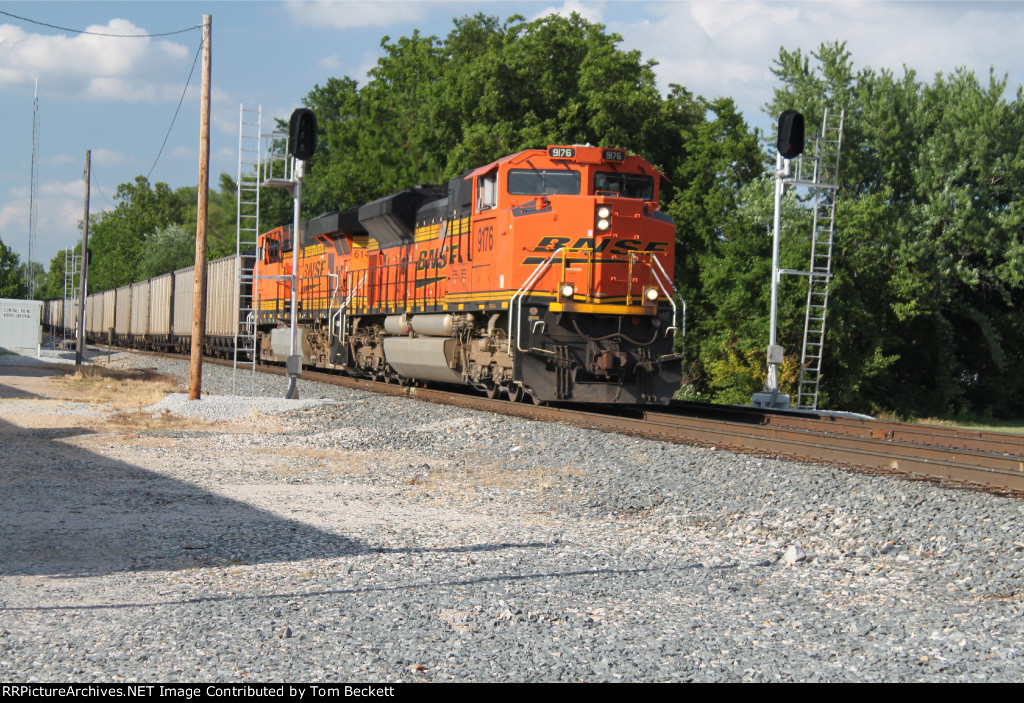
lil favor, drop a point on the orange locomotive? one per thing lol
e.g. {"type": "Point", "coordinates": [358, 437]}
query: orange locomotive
{"type": "Point", "coordinates": [546, 274]}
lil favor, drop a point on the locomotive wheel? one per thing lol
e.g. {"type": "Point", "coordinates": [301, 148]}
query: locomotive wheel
{"type": "Point", "coordinates": [492, 391]}
{"type": "Point", "coordinates": [535, 399]}
{"type": "Point", "coordinates": [515, 392]}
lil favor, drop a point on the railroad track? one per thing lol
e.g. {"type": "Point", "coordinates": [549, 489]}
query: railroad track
{"type": "Point", "coordinates": [961, 457]}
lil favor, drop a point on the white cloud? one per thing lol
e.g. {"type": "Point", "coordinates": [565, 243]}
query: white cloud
{"type": "Point", "coordinates": [367, 63]}
{"type": "Point", "coordinates": [331, 63]}
{"type": "Point", "coordinates": [224, 112]}
{"type": "Point", "coordinates": [109, 157]}
{"type": "Point", "coordinates": [92, 67]}
{"type": "Point", "coordinates": [348, 15]}
{"type": "Point", "coordinates": [727, 48]}
{"type": "Point", "coordinates": [56, 226]}
{"type": "Point", "coordinates": [58, 189]}
{"type": "Point", "coordinates": [225, 155]}
{"type": "Point", "coordinates": [591, 11]}
{"type": "Point", "coordinates": [13, 214]}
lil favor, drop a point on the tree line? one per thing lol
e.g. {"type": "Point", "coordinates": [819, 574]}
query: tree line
{"type": "Point", "coordinates": [929, 257]}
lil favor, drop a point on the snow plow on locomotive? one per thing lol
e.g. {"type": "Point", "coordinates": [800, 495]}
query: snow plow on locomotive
{"type": "Point", "coordinates": [546, 274]}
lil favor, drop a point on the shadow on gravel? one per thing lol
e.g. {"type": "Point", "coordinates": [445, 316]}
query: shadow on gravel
{"type": "Point", "coordinates": [12, 393]}
{"type": "Point", "coordinates": [13, 371]}
{"type": "Point", "coordinates": [69, 512]}
{"type": "Point", "coordinates": [404, 587]}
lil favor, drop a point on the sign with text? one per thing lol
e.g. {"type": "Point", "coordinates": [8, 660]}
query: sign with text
{"type": "Point", "coordinates": [20, 330]}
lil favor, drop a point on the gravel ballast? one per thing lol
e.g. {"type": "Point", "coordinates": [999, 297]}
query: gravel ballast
{"type": "Point", "coordinates": [351, 536]}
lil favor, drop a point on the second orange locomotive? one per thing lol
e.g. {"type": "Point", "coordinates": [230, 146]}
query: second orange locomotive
{"type": "Point", "coordinates": [546, 274]}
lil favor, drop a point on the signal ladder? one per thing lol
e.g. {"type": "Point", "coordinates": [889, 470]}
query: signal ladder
{"type": "Point", "coordinates": [72, 280]}
{"type": "Point", "coordinates": [824, 183]}
{"type": "Point", "coordinates": [246, 237]}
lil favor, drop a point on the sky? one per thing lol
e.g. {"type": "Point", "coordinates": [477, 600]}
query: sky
{"type": "Point", "coordinates": [117, 96]}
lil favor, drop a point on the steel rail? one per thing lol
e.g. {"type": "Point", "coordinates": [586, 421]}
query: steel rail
{"type": "Point", "coordinates": [974, 467]}
{"type": "Point", "coordinates": [812, 438]}
{"type": "Point", "coordinates": [898, 432]}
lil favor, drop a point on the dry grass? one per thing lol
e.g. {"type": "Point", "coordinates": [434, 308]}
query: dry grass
{"type": "Point", "coordinates": [126, 393]}
{"type": "Point", "coordinates": [120, 390]}
{"type": "Point", "coordinates": [141, 421]}
{"type": "Point", "coordinates": [1010, 426]}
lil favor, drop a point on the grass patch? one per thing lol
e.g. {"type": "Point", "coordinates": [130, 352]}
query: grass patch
{"type": "Point", "coordinates": [133, 421]}
{"type": "Point", "coordinates": [121, 390]}
{"type": "Point", "coordinates": [1010, 426]}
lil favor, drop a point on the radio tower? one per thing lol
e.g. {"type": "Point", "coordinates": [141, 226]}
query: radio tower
{"type": "Point", "coordinates": [30, 279]}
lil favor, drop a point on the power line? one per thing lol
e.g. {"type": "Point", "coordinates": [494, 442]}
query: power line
{"type": "Point", "coordinates": [130, 36]}
{"type": "Point", "coordinates": [194, 61]}
{"type": "Point", "coordinates": [95, 180]}
{"type": "Point", "coordinates": [100, 34]}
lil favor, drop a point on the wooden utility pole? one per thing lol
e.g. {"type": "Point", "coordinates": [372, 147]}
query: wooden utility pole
{"type": "Point", "coordinates": [80, 347]}
{"type": "Point", "coordinates": [199, 297]}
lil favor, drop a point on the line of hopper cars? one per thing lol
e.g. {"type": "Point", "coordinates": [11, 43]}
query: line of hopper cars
{"type": "Point", "coordinates": [156, 314]}
{"type": "Point", "coordinates": [546, 274]}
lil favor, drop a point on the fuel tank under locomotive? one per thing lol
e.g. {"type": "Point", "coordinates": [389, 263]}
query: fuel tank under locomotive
{"type": "Point", "coordinates": [555, 356]}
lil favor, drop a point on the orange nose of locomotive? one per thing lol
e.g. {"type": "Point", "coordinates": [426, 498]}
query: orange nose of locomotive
{"type": "Point", "coordinates": [619, 264]}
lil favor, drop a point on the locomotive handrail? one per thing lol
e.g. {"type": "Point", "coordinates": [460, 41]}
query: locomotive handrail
{"type": "Point", "coordinates": [537, 273]}
{"type": "Point", "coordinates": [337, 284]}
{"type": "Point", "coordinates": [344, 307]}
{"type": "Point", "coordinates": [330, 303]}
{"type": "Point", "coordinates": [589, 251]}
{"type": "Point", "coordinates": [666, 283]}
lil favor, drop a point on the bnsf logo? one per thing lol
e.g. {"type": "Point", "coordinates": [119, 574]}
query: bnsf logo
{"type": "Point", "coordinates": [430, 259]}
{"type": "Point", "coordinates": [621, 246]}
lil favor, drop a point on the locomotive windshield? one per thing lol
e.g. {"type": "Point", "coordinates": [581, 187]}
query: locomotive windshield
{"type": "Point", "coordinates": [626, 185]}
{"type": "Point", "coordinates": [536, 182]}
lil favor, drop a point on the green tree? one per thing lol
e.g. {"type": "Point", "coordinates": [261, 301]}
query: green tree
{"type": "Point", "coordinates": [121, 239]}
{"type": "Point", "coordinates": [436, 107]}
{"type": "Point", "coordinates": [167, 249]}
{"type": "Point", "coordinates": [729, 332]}
{"type": "Point", "coordinates": [929, 274]}
{"type": "Point", "coordinates": [117, 238]}
{"type": "Point", "coordinates": [37, 275]}
{"type": "Point", "coordinates": [55, 285]}
{"type": "Point", "coordinates": [12, 279]}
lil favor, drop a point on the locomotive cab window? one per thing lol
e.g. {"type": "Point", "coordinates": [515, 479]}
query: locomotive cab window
{"type": "Point", "coordinates": [272, 251]}
{"type": "Point", "coordinates": [626, 185]}
{"type": "Point", "coordinates": [487, 192]}
{"type": "Point", "coordinates": [536, 182]}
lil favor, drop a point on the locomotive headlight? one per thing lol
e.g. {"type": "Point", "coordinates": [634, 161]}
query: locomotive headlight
{"type": "Point", "coordinates": [566, 290]}
{"type": "Point", "coordinates": [604, 212]}
{"type": "Point", "coordinates": [604, 218]}
{"type": "Point", "coordinates": [651, 294]}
